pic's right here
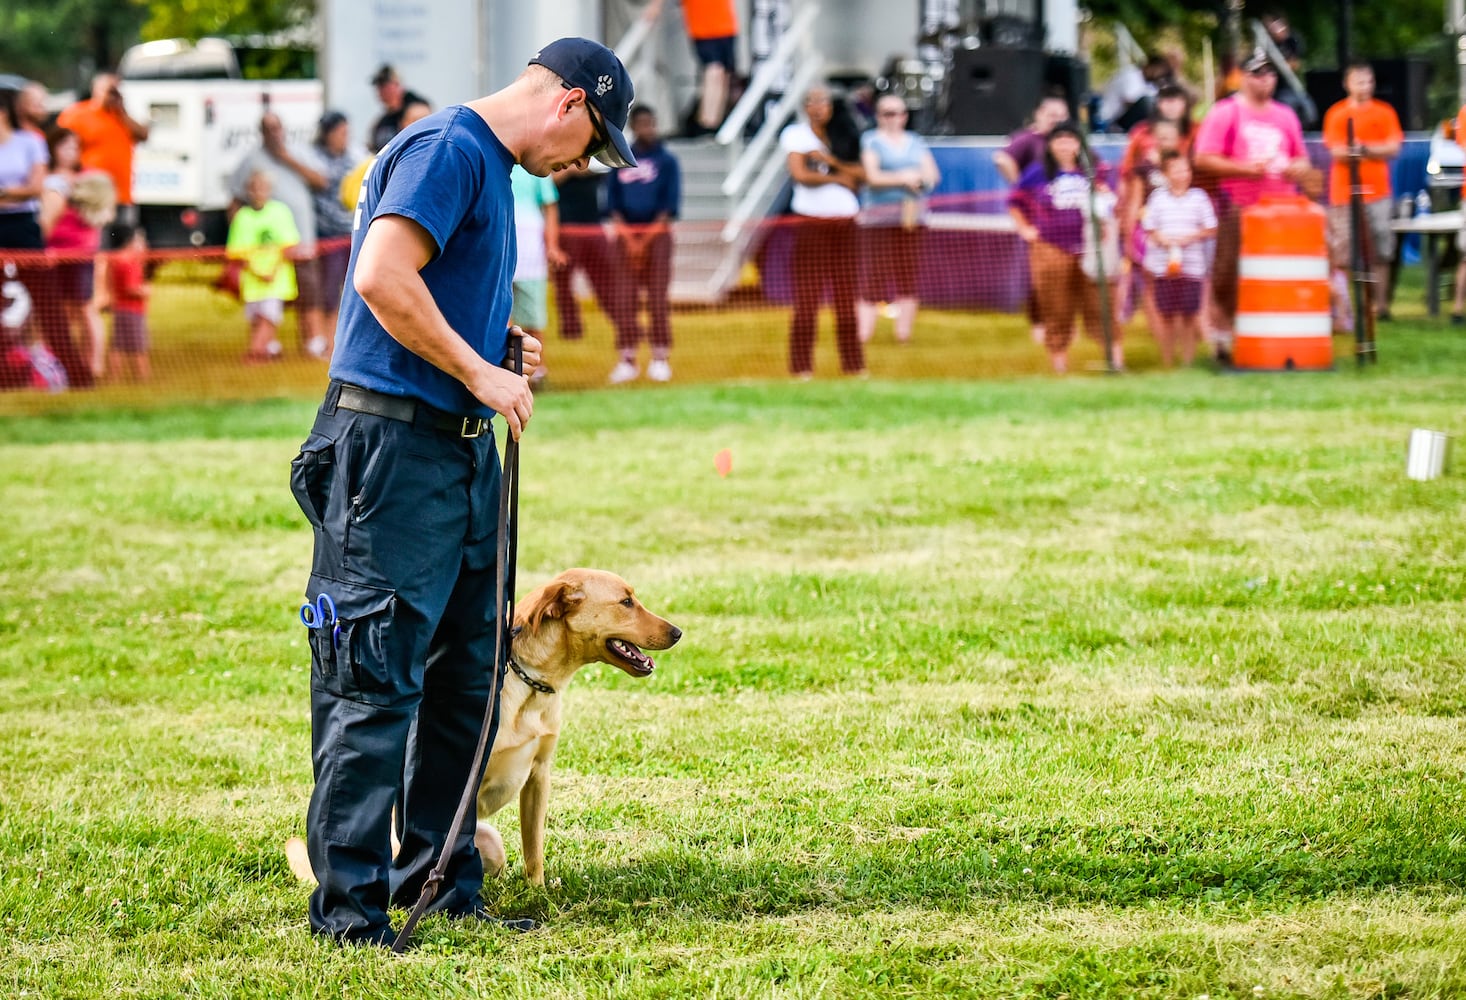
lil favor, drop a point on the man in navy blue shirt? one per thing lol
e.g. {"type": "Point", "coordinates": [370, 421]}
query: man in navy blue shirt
{"type": "Point", "coordinates": [400, 480]}
{"type": "Point", "coordinates": [642, 201]}
{"type": "Point", "coordinates": [587, 248]}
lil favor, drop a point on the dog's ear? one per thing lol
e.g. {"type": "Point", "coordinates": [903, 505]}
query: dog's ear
{"type": "Point", "coordinates": [553, 600]}
{"type": "Point", "coordinates": [547, 602]}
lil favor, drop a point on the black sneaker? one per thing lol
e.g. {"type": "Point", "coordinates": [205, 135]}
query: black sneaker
{"type": "Point", "coordinates": [382, 937]}
{"type": "Point", "coordinates": [482, 914]}
{"type": "Point", "coordinates": [1458, 320]}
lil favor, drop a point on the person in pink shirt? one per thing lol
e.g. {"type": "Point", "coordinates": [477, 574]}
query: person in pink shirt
{"type": "Point", "coordinates": [1255, 145]}
{"type": "Point", "coordinates": [75, 206]}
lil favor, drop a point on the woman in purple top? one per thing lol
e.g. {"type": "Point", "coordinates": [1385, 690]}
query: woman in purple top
{"type": "Point", "coordinates": [1050, 206]}
{"type": "Point", "coordinates": [1025, 148]}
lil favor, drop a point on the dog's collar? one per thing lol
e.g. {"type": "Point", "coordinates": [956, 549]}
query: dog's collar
{"type": "Point", "coordinates": [539, 686]}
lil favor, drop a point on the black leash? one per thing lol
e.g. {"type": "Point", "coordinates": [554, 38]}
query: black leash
{"type": "Point", "coordinates": [507, 561]}
{"type": "Point", "coordinates": [1360, 262]}
{"type": "Point", "coordinates": [1097, 233]}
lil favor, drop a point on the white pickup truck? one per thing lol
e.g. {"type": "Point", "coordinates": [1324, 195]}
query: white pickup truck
{"type": "Point", "coordinates": [203, 118]}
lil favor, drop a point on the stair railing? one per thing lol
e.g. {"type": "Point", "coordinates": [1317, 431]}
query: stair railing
{"type": "Point", "coordinates": [755, 171]}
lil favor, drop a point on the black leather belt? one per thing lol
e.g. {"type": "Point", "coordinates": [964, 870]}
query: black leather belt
{"type": "Point", "coordinates": [354, 397]}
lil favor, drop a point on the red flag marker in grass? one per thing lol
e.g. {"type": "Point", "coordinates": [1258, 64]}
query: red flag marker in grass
{"type": "Point", "coordinates": [723, 462]}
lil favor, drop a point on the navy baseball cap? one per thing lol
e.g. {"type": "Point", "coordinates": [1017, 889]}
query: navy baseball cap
{"type": "Point", "coordinates": [596, 70]}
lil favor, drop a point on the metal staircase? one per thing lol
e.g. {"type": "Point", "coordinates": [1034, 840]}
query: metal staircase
{"type": "Point", "coordinates": [729, 182]}
{"type": "Point", "coordinates": [706, 260]}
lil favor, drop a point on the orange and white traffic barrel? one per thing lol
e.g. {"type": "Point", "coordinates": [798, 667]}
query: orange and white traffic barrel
{"type": "Point", "coordinates": [1283, 317]}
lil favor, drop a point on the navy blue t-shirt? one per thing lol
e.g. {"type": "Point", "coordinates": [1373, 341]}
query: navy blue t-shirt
{"type": "Point", "coordinates": [450, 175]}
{"type": "Point", "coordinates": [653, 186]}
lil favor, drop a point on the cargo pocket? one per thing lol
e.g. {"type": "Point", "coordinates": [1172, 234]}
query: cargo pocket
{"type": "Point", "coordinates": [311, 474]}
{"type": "Point", "coordinates": [361, 658]}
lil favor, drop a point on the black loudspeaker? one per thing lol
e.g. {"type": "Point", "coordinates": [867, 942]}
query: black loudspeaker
{"type": "Point", "coordinates": [1326, 88]}
{"type": "Point", "coordinates": [1400, 83]}
{"type": "Point", "coordinates": [992, 91]}
{"type": "Point", "coordinates": [1068, 75]}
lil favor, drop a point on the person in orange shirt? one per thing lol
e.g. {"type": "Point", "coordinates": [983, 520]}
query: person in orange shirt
{"type": "Point", "coordinates": [1457, 317]}
{"type": "Point", "coordinates": [107, 134]}
{"type": "Point", "coordinates": [713, 27]}
{"type": "Point", "coordinates": [1377, 139]}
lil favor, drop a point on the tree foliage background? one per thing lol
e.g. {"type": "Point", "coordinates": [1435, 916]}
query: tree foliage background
{"type": "Point", "coordinates": [60, 42]}
{"type": "Point", "coordinates": [1380, 30]}
{"type": "Point", "coordinates": [1377, 30]}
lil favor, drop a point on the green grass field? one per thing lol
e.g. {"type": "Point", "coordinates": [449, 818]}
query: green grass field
{"type": "Point", "coordinates": [1100, 687]}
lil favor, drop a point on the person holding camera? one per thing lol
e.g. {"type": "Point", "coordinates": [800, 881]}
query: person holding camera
{"type": "Point", "coordinates": [107, 134]}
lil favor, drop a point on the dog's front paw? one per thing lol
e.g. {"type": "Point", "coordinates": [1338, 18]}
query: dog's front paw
{"type": "Point", "coordinates": [491, 848]}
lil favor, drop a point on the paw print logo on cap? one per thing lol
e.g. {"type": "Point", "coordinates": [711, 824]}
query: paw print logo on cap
{"type": "Point", "coordinates": [604, 84]}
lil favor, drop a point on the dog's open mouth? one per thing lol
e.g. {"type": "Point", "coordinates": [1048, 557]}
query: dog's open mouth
{"type": "Point", "coordinates": [629, 658]}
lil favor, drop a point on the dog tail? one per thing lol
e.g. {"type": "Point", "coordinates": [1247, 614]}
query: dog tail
{"type": "Point", "coordinates": [300, 862]}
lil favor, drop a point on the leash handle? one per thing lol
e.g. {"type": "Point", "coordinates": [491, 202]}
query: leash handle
{"type": "Point", "coordinates": [509, 522]}
{"type": "Point", "coordinates": [507, 557]}
{"type": "Point", "coordinates": [1360, 263]}
{"type": "Point", "coordinates": [509, 501]}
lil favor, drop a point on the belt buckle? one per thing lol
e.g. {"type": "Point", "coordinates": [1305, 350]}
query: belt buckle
{"type": "Point", "coordinates": [472, 427]}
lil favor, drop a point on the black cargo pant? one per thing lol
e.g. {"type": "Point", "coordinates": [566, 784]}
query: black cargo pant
{"type": "Point", "coordinates": [405, 519]}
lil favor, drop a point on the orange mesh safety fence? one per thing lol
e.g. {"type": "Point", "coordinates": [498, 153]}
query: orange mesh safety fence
{"type": "Point", "coordinates": [943, 295]}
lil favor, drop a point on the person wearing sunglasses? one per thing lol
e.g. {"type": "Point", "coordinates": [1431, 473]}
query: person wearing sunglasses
{"type": "Point", "coordinates": [900, 172]}
{"type": "Point", "coordinates": [400, 481]}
